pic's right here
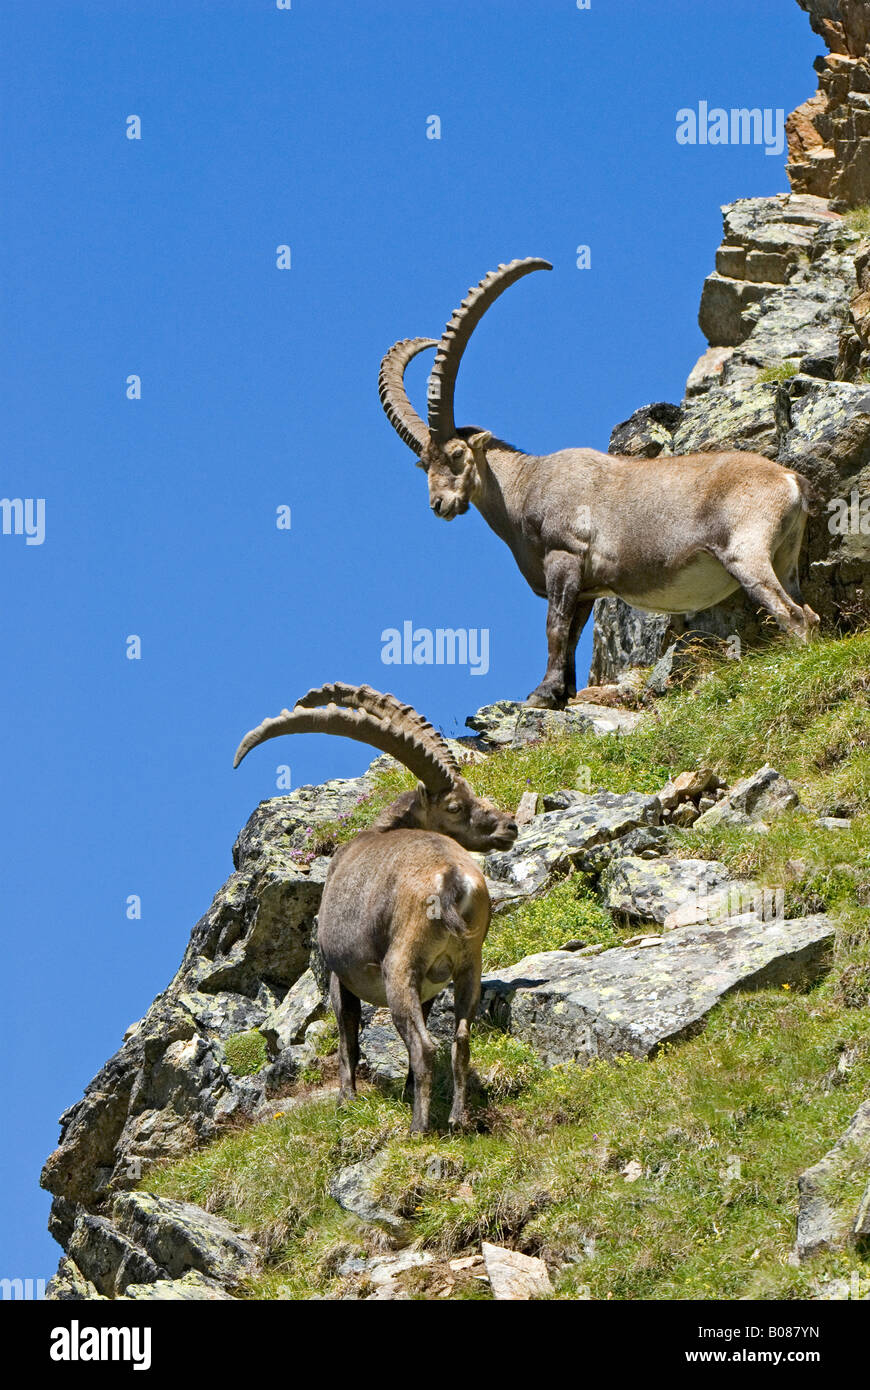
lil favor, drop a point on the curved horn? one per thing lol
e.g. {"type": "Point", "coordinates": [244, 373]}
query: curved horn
{"type": "Point", "coordinates": [394, 398]}
{"type": "Point", "coordinates": [454, 339]}
{"type": "Point", "coordinates": [402, 744]}
{"type": "Point", "coordinates": [384, 707]}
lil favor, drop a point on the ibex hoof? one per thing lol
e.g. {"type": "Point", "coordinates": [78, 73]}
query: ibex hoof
{"type": "Point", "coordinates": [545, 699]}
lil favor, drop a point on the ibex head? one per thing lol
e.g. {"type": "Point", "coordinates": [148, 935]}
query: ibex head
{"type": "Point", "coordinates": [455, 472]}
{"type": "Point", "coordinates": [472, 821]}
{"type": "Point", "coordinates": [454, 459]}
{"type": "Point", "coordinates": [443, 801]}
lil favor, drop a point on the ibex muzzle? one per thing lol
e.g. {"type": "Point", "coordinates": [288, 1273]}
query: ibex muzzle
{"type": "Point", "coordinates": [405, 908]}
{"type": "Point", "coordinates": [670, 534]}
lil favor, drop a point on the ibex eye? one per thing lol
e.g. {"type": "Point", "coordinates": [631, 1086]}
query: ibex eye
{"type": "Point", "coordinates": [453, 807]}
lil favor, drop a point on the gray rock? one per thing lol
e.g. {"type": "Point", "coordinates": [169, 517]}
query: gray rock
{"type": "Point", "coordinates": [835, 1289]}
{"type": "Point", "coordinates": [828, 1218]}
{"type": "Point", "coordinates": [355, 1189]}
{"type": "Point", "coordinates": [632, 1000]}
{"type": "Point", "coordinates": [624, 637]}
{"type": "Point", "coordinates": [302, 1005]}
{"type": "Point", "coordinates": [69, 1285]}
{"type": "Point", "coordinates": [643, 890]}
{"type": "Point", "coordinates": [168, 1088]}
{"type": "Point", "coordinates": [180, 1236]}
{"type": "Point", "coordinates": [510, 724]}
{"type": "Point", "coordinates": [674, 662]}
{"type": "Point", "coordinates": [108, 1258]}
{"type": "Point", "coordinates": [646, 842]}
{"type": "Point", "coordinates": [648, 432]}
{"type": "Point", "coordinates": [382, 1049]}
{"type": "Point", "coordinates": [603, 720]}
{"type": "Point", "coordinates": [513, 1275]}
{"type": "Point", "coordinates": [527, 809]}
{"type": "Point", "coordinates": [557, 840]}
{"type": "Point", "coordinates": [384, 1270]}
{"type": "Point", "coordinates": [192, 1287]}
{"type": "Point", "coordinates": [761, 797]}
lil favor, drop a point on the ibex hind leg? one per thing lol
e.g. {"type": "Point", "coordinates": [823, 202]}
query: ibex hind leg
{"type": "Point", "coordinates": [407, 1014]}
{"type": "Point", "coordinates": [347, 1012]}
{"type": "Point", "coordinates": [757, 577]}
{"type": "Point", "coordinates": [408, 1092]}
{"type": "Point", "coordinates": [785, 563]}
{"type": "Point", "coordinates": [466, 996]}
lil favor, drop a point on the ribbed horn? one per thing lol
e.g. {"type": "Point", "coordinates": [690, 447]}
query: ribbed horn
{"type": "Point", "coordinates": [385, 707]}
{"type": "Point", "coordinates": [454, 340]}
{"type": "Point", "coordinates": [402, 744]}
{"type": "Point", "coordinates": [394, 398]}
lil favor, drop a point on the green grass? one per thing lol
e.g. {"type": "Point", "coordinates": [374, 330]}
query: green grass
{"type": "Point", "coordinates": [246, 1053]}
{"type": "Point", "coordinates": [859, 219]}
{"type": "Point", "coordinates": [779, 371]}
{"type": "Point", "coordinates": [721, 1125]}
{"type": "Point", "coordinates": [570, 911]}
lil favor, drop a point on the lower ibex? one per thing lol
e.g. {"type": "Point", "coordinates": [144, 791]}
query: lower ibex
{"type": "Point", "coordinates": [668, 534]}
{"type": "Point", "coordinates": [405, 908]}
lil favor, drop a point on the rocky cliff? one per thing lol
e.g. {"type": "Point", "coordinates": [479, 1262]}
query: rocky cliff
{"type": "Point", "coordinates": [243, 1022]}
{"type": "Point", "coordinates": [786, 313]}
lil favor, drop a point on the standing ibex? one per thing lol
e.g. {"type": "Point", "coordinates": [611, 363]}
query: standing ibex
{"type": "Point", "coordinates": [405, 908]}
{"type": "Point", "coordinates": [669, 534]}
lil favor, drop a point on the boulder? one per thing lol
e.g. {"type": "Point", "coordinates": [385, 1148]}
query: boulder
{"type": "Point", "coordinates": [650, 890]}
{"type": "Point", "coordinates": [761, 797]}
{"type": "Point", "coordinates": [69, 1285]}
{"type": "Point", "coordinates": [556, 841]}
{"type": "Point", "coordinates": [829, 135]}
{"type": "Point", "coordinates": [576, 1008]}
{"type": "Point", "coordinates": [510, 724]}
{"type": "Point", "coordinates": [180, 1236]}
{"type": "Point", "coordinates": [303, 1004]}
{"type": "Point", "coordinates": [192, 1287]}
{"type": "Point", "coordinates": [830, 1214]}
{"type": "Point", "coordinates": [354, 1188]}
{"type": "Point", "coordinates": [109, 1259]}
{"type": "Point", "coordinates": [513, 1275]}
{"type": "Point", "coordinates": [527, 809]}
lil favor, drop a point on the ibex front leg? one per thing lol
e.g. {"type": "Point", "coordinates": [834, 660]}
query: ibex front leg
{"type": "Point", "coordinates": [567, 612]}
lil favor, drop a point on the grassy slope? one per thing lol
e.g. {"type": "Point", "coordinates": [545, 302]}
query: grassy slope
{"type": "Point", "coordinates": [721, 1125]}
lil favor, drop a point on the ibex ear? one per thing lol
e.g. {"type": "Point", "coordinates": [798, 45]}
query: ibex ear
{"type": "Point", "coordinates": [481, 439]}
{"type": "Point", "coordinates": [423, 794]}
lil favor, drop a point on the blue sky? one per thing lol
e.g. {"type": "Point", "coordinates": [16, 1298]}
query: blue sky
{"type": "Point", "coordinates": [157, 257]}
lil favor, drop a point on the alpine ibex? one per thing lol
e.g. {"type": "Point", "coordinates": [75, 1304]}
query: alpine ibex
{"type": "Point", "coordinates": [669, 534]}
{"type": "Point", "coordinates": [405, 908]}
